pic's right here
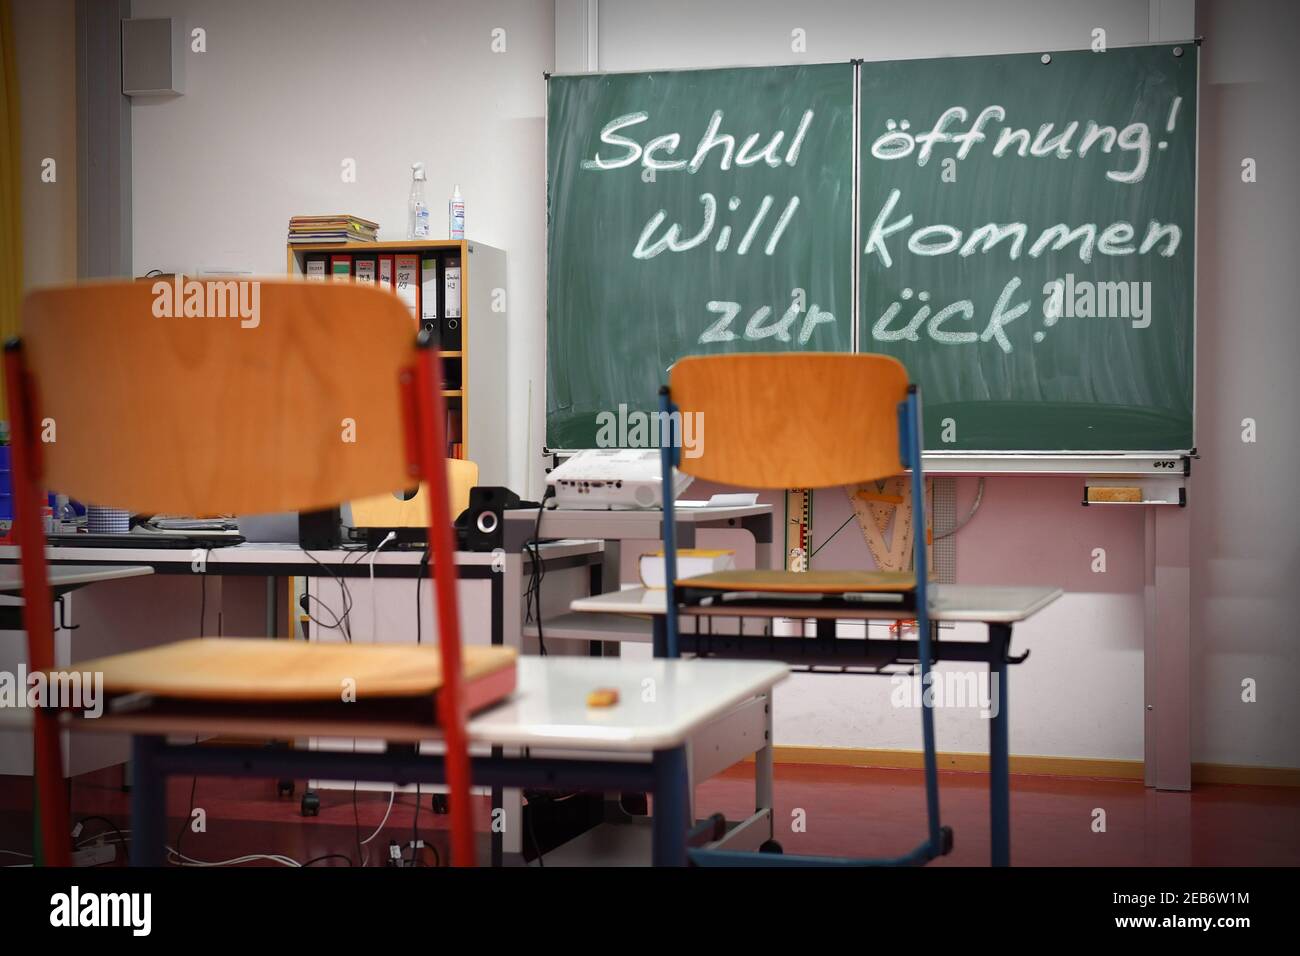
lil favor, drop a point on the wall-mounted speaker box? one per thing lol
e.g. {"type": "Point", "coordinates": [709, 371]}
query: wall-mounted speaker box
{"type": "Point", "coordinates": [153, 57]}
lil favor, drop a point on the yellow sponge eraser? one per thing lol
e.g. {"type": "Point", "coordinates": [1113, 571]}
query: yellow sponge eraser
{"type": "Point", "coordinates": [1126, 495]}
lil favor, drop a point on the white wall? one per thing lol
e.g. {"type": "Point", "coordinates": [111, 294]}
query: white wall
{"type": "Point", "coordinates": [677, 34]}
{"type": "Point", "coordinates": [1246, 526]}
{"type": "Point", "coordinates": [290, 88]}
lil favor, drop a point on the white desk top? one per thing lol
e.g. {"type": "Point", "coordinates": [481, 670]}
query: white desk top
{"type": "Point", "coordinates": [70, 575]}
{"type": "Point", "coordinates": [551, 708]}
{"type": "Point", "coordinates": [272, 553]}
{"type": "Point", "coordinates": [633, 523]}
{"type": "Point", "coordinates": [948, 602]}
{"type": "Point", "coordinates": [548, 709]}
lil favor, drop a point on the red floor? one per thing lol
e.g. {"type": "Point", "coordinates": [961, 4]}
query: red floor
{"type": "Point", "coordinates": [1055, 821]}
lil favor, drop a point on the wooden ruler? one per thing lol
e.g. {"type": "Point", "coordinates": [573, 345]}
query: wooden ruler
{"type": "Point", "coordinates": [798, 528]}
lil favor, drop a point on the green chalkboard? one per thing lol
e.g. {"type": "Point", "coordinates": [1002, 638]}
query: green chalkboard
{"type": "Point", "coordinates": [1091, 348]}
{"type": "Point", "coordinates": [695, 212]}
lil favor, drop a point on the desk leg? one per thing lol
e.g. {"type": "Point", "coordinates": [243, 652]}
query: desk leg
{"type": "Point", "coordinates": [148, 803]}
{"type": "Point", "coordinates": [498, 808]}
{"type": "Point", "coordinates": [999, 763]}
{"type": "Point", "coordinates": [764, 770]}
{"type": "Point", "coordinates": [669, 824]}
{"type": "Point", "coordinates": [659, 630]}
{"type": "Point", "coordinates": [767, 552]}
{"type": "Point", "coordinates": [1168, 650]}
{"type": "Point", "coordinates": [272, 618]}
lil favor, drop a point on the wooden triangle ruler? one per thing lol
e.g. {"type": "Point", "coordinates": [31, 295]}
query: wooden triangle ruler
{"type": "Point", "coordinates": [877, 505]}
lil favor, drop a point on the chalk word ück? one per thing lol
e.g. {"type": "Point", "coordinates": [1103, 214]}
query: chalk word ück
{"type": "Point", "coordinates": [1122, 300]}
{"type": "Point", "coordinates": [1002, 315]}
{"type": "Point", "coordinates": [897, 142]}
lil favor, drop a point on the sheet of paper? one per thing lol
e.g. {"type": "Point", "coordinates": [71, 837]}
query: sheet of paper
{"type": "Point", "coordinates": [734, 500]}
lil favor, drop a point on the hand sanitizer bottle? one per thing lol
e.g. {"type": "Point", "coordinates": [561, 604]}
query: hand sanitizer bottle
{"type": "Point", "coordinates": [418, 219]}
{"type": "Point", "coordinates": [456, 215]}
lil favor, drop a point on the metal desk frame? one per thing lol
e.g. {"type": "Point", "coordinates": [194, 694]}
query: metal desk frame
{"type": "Point", "coordinates": [155, 760]}
{"type": "Point", "coordinates": [826, 650]}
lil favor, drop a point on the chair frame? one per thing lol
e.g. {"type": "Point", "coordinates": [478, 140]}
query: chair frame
{"type": "Point", "coordinates": [938, 839]}
{"type": "Point", "coordinates": [424, 435]}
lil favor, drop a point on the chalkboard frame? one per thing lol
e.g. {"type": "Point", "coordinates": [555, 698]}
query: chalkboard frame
{"type": "Point", "coordinates": [1155, 461]}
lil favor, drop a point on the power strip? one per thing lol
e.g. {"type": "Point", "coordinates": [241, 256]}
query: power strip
{"type": "Point", "coordinates": [95, 855]}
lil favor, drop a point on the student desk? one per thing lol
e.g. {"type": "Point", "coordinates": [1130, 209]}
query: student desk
{"type": "Point", "coordinates": [548, 710]}
{"type": "Point", "coordinates": [271, 561]}
{"type": "Point", "coordinates": [65, 577]}
{"type": "Point", "coordinates": [997, 607]}
{"type": "Point", "coordinates": [499, 575]}
{"type": "Point", "coordinates": [238, 594]}
{"type": "Point", "coordinates": [62, 578]}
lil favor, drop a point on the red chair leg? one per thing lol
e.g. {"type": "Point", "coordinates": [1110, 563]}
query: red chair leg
{"type": "Point", "coordinates": [51, 799]}
{"type": "Point", "coordinates": [432, 440]}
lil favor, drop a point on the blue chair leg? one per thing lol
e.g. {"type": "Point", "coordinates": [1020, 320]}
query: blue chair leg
{"type": "Point", "coordinates": [999, 750]}
{"type": "Point", "coordinates": [148, 803]}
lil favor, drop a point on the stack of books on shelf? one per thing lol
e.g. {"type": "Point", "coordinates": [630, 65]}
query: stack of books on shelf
{"type": "Point", "coordinates": [337, 228]}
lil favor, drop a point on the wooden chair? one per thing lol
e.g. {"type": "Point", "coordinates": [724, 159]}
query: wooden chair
{"type": "Point", "coordinates": [800, 420]}
{"type": "Point", "coordinates": [390, 511]}
{"type": "Point", "coordinates": [323, 395]}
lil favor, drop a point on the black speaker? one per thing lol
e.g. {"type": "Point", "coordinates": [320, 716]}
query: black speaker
{"type": "Point", "coordinates": [484, 524]}
{"type": "Point", "coordinates": [320, 530]}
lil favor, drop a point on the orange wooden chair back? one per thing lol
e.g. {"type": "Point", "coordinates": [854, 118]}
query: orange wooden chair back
{"type": "Point", "coordinates": [310, 395]}
{"type": "Point", "coordinates": [387, 510]}
{"type": "Point", "coordinates": [808, 420]}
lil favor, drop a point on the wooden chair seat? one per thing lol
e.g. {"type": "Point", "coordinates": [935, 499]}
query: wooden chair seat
{"type": "Point", "coordinates": [277, 671]}
{"type": "Point", "coordinates": [807, 582]}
